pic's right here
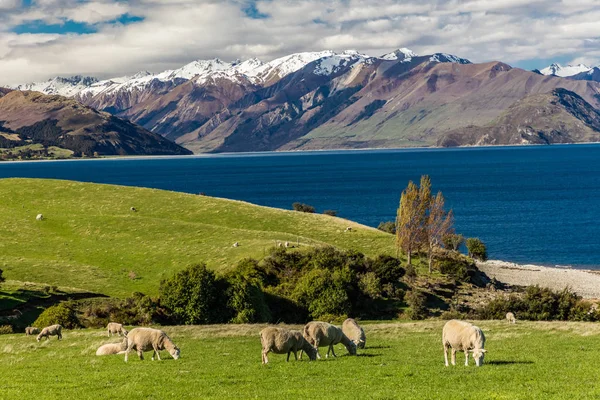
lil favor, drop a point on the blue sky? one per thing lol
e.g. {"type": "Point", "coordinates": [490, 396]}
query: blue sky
{"type": "Point", "coordinates": [43, 38]}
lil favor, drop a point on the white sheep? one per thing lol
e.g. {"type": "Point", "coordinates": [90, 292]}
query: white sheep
{"type": "Point", "coordinates": [321, 334]}
{"type": "Point", "coordinates": [282, 341]}
{"type": "Point", "coordinates": [463, 336]}
{"type": "Point", "coordinates": [510, 317]}
{"type": "Point", "coordinates": [236, 244]}
{"type": "Point", "coordinates": [52, 330]}
{"type": "Point", "coordinates": [112, 348]}
{"type": "Point", "coordinates": [116, 328]}
{"type": "Point", "coordinates": [40, 217]}
{"type": "Point", "coordinates": [31, 330]}
{"type": "Point", "coordinates": [146, 339]}
{"type": "Point", "coordinates": [354, 332]}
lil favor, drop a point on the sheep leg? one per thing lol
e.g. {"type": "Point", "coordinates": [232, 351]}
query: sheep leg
{"type": "Point", "coordinates": [301, 353]}
{"type": "Point", "coordinates": [296, 355]}
{"type": "Point", "coordinates": [453, 356]}
{"type": "Point", "coordinates": [140, 354]}
{"type": "Point", "coordinates": [445, 355]}
{"type": "Point", "coordinates": [265, 359]}
{"type": "Point", "coordinates": [333, 351]}
{"type": "Point", "coordinates": [317, 347]}
{"type": "Point", "coordinates": [466, 358]}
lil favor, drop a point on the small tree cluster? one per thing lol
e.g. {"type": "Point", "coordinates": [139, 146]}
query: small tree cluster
{"type": "Point", "coordinates": [62, 313]}
{"type": "Point", "coordinates": [422, 221]}
{"type": "Point", "coordinates": [388, 226]}
{"type": "Point", "coordinates": [303, 207]}
{"type": "Point", "coordinates": [477, 249]}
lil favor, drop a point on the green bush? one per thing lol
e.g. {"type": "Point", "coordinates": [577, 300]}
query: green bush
{"type": "Point", "coordinates": [370, 285]}
{"type": "Point", "coordinates": [62, 313]}
{"type": "Point", "coordinates": [323, 292]}
{"type": "Point", "coordinates": [331, 213]}
{"type": "Point", "coordinates": [303, 207]}
{"type": "Point", "coordinates": [453, 241]}
{"type": "Point", "coordinates": [477, 249]}
{"type": "Point", "coordinates": [388, 226]}
{"type": "Point", "coordinates": [195, 296]}
{"type": "Point", "coordinates": [415, 300]}
{"type": "Point", "coordinates": [245, 295]}
{"type": "Point", "coordinates": [411, 273]}
{"type": "Point", "coordinates": [387, 268]}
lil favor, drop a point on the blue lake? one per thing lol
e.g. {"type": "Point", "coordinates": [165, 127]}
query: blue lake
{"type": "Point", "coordinates": [529, 204]}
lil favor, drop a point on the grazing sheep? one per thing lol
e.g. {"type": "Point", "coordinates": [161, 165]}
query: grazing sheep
{"type": "Point", "coordinates": [349, 229]}
{"type": "Point", "coordinates": [112, 348]}
{"type": "Point", "coordinates": [282, 341]}
{"type": "Point", "coordinates": [321, 334]}
{"type": "Point", "coordinates": [40, 217]}
{"type": "Point", "coordinates": [52, 330]}
{"type": "Point", "coordinates": [287, 244]}
{"type": "Point", "coordinates": [133, 209]}
{"type": "Point", "coordinates": [354, 333]}
{"type": "Point", "coordinates": [31, 330]}
{"type": "Point", "coordinates": [463, 336]}
{"type": "Point", "coordinates": [115, 328]}
{"type": "Point", "coordinates": [510, 317]}
{"type": "Point", "coordinates": [146, 339]}
{"type": "Point", "coordinates": [236, 244]}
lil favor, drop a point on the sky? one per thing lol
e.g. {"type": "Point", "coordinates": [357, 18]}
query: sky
{"type": "Point", "coordinates": [40, 39]}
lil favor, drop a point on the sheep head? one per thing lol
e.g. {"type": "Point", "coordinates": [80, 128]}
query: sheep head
{"type": "Point", "coordinates": [351, 347]}
{"type": "Point", "coordinates": [478, 356]}
{"type": "Point", "coordinates": [175, 352]}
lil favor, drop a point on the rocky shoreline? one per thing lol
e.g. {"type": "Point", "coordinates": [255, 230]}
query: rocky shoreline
{"type": "Point", "coordinates": [585, 282]}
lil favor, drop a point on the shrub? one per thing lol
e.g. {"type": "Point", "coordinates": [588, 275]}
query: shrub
{"type": "Point", "coordinates": [303, 207]}
{"type": "Point", "coordinates": [194, 296]}
{"type": "Point", "coordinates": [331, 213]}
{"type": "Point", "coordinates": [62, 313]}
{"type": "Point", "coordinates": [411, 273]}
{"type": "Point", "coordinates": [415, 300]}
{"type": "Point", "coordinates": [452, 314]}
{"type": "Point", "coordinates": [477, 249]}
{"type": "Point", "coordinates": [370, 285]}
{"type": "Point", "coordinates": [388, 269]}
{"type": "Point", "coordinates": [6, 329]}
{"type": "Point", "coordinates": [323, 292]}
{"type": "Point", "coordinates": [453, 241]}
{"type": "Point", "coordinates": [388, 226]}
{"type": "Point", "coordinates": [245, 296]}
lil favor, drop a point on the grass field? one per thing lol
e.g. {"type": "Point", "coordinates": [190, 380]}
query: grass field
{"type": "Point", "coordinates": [544, 360]}
{"type": "Point", "coordinates": [92, 241]}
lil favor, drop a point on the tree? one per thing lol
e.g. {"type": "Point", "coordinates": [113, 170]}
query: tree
{"type": "Point", "coordinates": [453, 241]}
{"type": "Point", "coordinates": [476, 249]}
{"type": "Point", "coordinates": [411, 217]}
{"type": "Point", "coordinates": [438, 225]}
{"type": "Point", "coordinates": [388, 226]}
{"type": "Point", "coordinates": [194, 296]}
{"type": "Point", "coordinates": [303, 207]}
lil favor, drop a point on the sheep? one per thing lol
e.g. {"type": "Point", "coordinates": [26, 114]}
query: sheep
{"type": "Point", "coordinates": [282, 341]}
{"type": "Point", "coordinates": [52, 330]}
{"type": "Point", "coordinates": [115, 328]}
{"type": "Point", "coordinates": [31, 330]}
{"type": "Point", "coordinates": [133, 209]}
{"type": "Point", "coordinates": [510, 317]}
{"type": "Point", "coordinates": [349, 229]}
{"type": "Point", "coordinates": [236, 244]}
{"type": "Point", "coordinates": [112, 348]}
{"type": "Point", "coordinates": [40, 217]}
{"type": "Point", "coordinates": [321, 334]}
{"type": "Point", "coordinates": [146, 339]}
{"type": "Point", "coordinates": [354, 333]}
{"type": "Point", "coordinates": [463, 336]}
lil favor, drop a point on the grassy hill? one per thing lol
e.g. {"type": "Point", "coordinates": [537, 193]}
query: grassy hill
{"type": "Point", "coordinates": [91, 240]}
{"type": "Point", "coordinates": [529, 360]}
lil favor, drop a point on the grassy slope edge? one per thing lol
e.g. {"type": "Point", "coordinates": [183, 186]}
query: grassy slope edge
{"type": "Point", "coordinates": [91, 240]}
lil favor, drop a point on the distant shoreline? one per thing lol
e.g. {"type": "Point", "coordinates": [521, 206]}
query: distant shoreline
{"type": "Point", "coordinates": [584, 282]}
{"type": "Point", "coordinates": [298, 152]}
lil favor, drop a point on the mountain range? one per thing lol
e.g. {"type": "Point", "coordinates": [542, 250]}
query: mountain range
{"type": "Point", "coordinates": [327, 100]}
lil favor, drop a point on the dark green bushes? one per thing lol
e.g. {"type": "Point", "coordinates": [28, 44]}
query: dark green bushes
{"type": "Point", "coordinates": [62, 313]}
{"type": "Point", "coordinates": [303, 207]}
{"type": "Point", "coordinates": [477, 249]}
{"type": "Point", "coordinates": [540, 304]}
{"type": "Point", "coordinates": [388, 226]}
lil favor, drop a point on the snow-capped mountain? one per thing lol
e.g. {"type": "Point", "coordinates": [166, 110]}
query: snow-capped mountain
{"type": "Point", "coordinates": [402, 54]}
{"type": "Point", "coordinates": [67, 87]}
{"type": "Point", "coordinates": [568, 70]}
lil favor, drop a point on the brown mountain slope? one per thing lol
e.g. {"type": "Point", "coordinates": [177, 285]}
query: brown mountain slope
{"type": "Point", "coordinates": [558, 117]}
{"type": "Point", "coordinates": [32, 117]}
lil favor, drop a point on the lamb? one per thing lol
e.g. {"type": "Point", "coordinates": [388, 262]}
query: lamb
{"type": "Point", "coordinates": [31, 330]}
{"type": "Point", "coordinates": [52, 330]}
{"type": "Point", "coordinates": [354, 333]}
{"type": "Point", "coordinates": [115, 328]}
{"type": "Point", "coordinates": [112, 348]}
{"type": "Point", "coordinates": [463, 336]}
{"type": "Point", "coordinates": [282, 341]}
{"type": "Point", "coordinates": [146, 339]}
{"type": "Point", "coordinates": [40, 217]}
{"type": "Point", "coordinates": [321, 334]}
{"type": "Point", "coordinates": [510, 317]}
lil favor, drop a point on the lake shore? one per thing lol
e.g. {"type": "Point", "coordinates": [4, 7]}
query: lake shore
{"type": "Point", "coordinates": [585, 282]}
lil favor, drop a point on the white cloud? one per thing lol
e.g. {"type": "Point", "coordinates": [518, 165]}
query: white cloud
{"type": "Point", "coordinates": [175, 32]}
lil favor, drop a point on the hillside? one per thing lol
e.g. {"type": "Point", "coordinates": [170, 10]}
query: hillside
{"type": "Point", "coordinates": [30, 118]}
{"type": "Point", "coordinates": [91, 240]}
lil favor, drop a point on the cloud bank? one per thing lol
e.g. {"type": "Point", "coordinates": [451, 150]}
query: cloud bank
{"type": "Point", "coordinates": [40, 39]}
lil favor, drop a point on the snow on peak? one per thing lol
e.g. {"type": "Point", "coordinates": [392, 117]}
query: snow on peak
{"type": "Point", "coordinates": [331, 64]}
{"type": "Point", "coordinates": [445, 57]}
{"type": "Point", "coordinates": [402, 54]}
{"type": "Point", "coordinates": [59, 85]}
{"type": "Point", "coordinates": [569, 70]}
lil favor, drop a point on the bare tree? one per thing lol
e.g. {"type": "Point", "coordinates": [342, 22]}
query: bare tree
{"type": "Point", "coordinates": [411, 217]}
{"type": "Point", "coordinates": [438, 225]}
